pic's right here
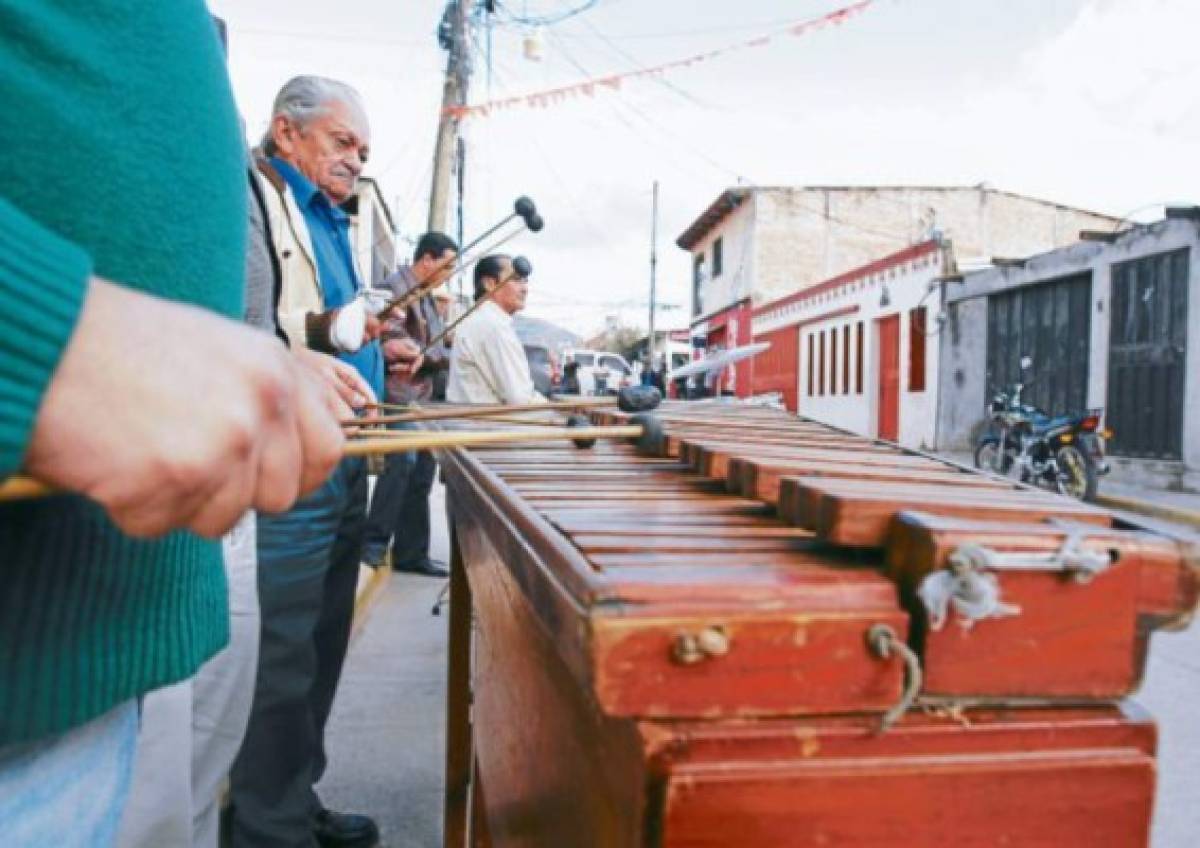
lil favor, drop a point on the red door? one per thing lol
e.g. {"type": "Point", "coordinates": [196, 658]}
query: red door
{"type": "Point", "coordinates": [889, 377]}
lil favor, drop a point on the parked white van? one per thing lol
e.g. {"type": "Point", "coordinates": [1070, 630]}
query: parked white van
{"type": "Point", "coordinates": [600, 371]}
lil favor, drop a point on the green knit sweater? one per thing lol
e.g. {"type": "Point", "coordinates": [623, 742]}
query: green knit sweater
{"type": "Point", "coordinates": [123, 158]}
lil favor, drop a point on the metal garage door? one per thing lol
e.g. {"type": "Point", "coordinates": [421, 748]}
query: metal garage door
{"type": "Point", "coordinates": [1147, 352]}
{"type": "Point", "coordinates": [1050, 322]}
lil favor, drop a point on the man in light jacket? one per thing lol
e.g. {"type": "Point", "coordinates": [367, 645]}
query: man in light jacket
{"type": "Point", "coordinates": [488, 362]}
{"type": "Point", "coordinates": [313, 153]}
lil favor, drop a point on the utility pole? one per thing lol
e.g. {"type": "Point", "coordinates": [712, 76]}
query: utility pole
{"type": "Point", "coordinates": [653, 275]}
{"type": "Point", "coordinates": [452, 36]}
{"type": "Point", "coordinates": [460, 168]}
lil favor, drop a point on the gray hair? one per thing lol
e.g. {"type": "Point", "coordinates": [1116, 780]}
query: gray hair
{"type": "Point", "coordinates": [307, 97]}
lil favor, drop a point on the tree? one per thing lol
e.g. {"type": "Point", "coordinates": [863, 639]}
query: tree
{"type": "Point", "coordinates": [621, 339]}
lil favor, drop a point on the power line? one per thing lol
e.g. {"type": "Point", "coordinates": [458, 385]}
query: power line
{"type": "Point", "coordinates": [653, 124]}
{"type": "Point", "coordinates": [546, 160]}
{"type": "Point", "coordinates": [546, 20]}
{"type": "Point", "coordinates": [688, 147]}
{"type": "Point", "coordinates": [624, 54]}
{"type": "Point", "coordinates": [685, 145]}
{"type": "Point", "coordinates": [740, 177]}
{"type": "Point", "coordinates": [326, 36]}
{"type": "Point", "coordinates": [685, 33]}
{"type": "Point", "coordinates": [799, 28]}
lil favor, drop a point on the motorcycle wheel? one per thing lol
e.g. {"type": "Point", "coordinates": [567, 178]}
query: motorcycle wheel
{"type": "Point", "coordinates": [988, 456]}
{"type": "Point", "coordinates": [1077, 477]}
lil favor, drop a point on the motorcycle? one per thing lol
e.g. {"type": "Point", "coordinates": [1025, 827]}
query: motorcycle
{"type": "Point", "coordinates": [1065, 453]}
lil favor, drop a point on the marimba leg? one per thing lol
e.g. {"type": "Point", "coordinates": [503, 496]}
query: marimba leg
{"type": "Point", "coordinates": [458, 703]}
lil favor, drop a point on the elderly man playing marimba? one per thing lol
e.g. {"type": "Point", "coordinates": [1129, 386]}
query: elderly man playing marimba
{"type": "Point", "coordinates": [314, 151]}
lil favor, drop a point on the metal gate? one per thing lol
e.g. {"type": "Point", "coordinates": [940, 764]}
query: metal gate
{"type": "Point", "coordinates": [1147, 353]}
{"type": "Point", "coordinates": [1051, 324]}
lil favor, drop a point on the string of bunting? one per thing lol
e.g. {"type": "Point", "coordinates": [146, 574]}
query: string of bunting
{"type": "Point", "coordinates": [588, 88]}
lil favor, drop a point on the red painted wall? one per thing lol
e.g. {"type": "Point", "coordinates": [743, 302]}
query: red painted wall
{"type": "Point", "coordinates": [775, 369]}
{"type": "Point", "coordinates": [732, 328]}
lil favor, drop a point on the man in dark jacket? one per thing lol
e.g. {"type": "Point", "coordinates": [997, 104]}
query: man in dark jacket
{"type": "Point", "coordinates": [400, 505]}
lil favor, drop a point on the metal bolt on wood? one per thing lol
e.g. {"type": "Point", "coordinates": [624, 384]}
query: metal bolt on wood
{"type": "Point", "coordinates": [691, 648]}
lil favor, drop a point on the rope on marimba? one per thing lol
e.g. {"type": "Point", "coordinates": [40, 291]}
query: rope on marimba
{"type": "Point", "coordinates": [969, 586]}
{"type": "Point", "coordinates": [883, 641]}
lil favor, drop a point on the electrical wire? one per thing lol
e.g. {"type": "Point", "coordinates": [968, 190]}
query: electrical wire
{"type": "Point", "coordinates": [545, 20]}
{"type": "Point", "coordinates": [902, 239]}
{"type": "Point", "coordinates": [685, 33]}
{"type": "Point", "coordinates": [325, 36]}
{"type": "Point", "coordinates": [547, 301]}
{"type": "Point", "coordinates": [546, 160]}
{"type": "Point", "coordinates": [624, 54]}
{"type": "Point", "coordinates": [680, 142]}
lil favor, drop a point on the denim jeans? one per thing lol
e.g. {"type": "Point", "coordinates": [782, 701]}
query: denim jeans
{"type": "Point", "coordinates": [68, 791]}
{"type": "Point", "coordinates": [190, 732]}
{"type": "Point", "coordinates": [308, 560]}
{"type": "Point", "coordinates": [400, 508]}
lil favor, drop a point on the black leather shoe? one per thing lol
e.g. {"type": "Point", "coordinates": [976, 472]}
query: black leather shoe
{"type": "Point", "coordinates": [344, 830]}
{"type": "Point", "coordinates": [428, 567]}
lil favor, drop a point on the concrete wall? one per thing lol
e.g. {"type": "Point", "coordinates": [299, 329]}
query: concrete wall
{"type": "Point", "coordinates": [797, 237]}
{"type": "Point", "coordinates": [962, 392]}
{"type": "Point", "coordinates": [370, 236]}
{"type": "Point", "coordinates": [737, 232]}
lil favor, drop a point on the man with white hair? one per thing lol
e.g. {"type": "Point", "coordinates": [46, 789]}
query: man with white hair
{"type": "Point", "coordinates": [313, 153]}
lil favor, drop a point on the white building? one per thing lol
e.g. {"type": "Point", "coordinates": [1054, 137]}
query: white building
{"type": "Point", "coordinates": [373, 235]}
{"type": "Point", "coordinates": [860, 350]}
{"type": "Point", "coordinates": [754, 245]}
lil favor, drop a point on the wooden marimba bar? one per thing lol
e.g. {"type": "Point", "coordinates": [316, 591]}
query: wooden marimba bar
{"type": "Point", "coordinates": [776, 633]}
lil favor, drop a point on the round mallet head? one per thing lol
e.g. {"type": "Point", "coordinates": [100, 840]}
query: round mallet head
{"type": "Point", "coordinates": [638, 399]}
{"type": "Point", "coordinates": [524, 207]}
{"type": "Point", "coordinates": [580, 421]}
{"type": "Point", "coordinates": [653, 441]}
{"type": "Point", "coordinates": [522, 267]}
{"type": "Point", "coordinates": [535, 223]}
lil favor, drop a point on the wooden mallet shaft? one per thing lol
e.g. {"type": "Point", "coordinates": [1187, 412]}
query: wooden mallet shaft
{"type": "Point", "coordinates": [468, 438]}
{"type": "Point", "coordinates": [523, 208]}
{"type": "Point", "coordinates": [644, 428]}
{"type": "Point", "coordinates": [447, 413]}
{"type": "Point", "coordinates": [521, 270]}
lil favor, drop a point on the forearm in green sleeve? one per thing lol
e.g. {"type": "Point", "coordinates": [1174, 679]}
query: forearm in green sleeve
{"type": "Point", "coordinates": [43, 282]}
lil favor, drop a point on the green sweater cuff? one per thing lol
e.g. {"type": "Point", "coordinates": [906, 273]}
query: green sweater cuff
{"type": "Point", "coordinates": [43, 281]}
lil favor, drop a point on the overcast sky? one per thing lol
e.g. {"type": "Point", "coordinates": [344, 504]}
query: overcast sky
{"type": "Point", "coordinates": [1092, 103]}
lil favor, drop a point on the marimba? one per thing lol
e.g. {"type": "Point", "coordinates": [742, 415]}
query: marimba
{"type": "Point", "coordinates": [777, 633]}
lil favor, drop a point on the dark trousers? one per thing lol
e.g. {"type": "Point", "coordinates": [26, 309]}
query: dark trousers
{"type": "Point", "coordinates": [400, 509]}
{"type": "Point", "coordinates": [308, 562]}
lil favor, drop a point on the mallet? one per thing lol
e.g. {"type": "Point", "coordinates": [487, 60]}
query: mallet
{"type": "Point", "coordinates": [628, 399]}
{"type": "Point", "coordinates": [643, 429]}
{"type": "Point", "coordinates": [523, 208]}
{"type": "Point", "coordinates": [521, 269]}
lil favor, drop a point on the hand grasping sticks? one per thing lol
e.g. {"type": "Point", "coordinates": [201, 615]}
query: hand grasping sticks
{"type": "Point", "coordinates": [644, 429]}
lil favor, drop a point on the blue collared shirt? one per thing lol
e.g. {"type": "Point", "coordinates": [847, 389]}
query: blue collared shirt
{"type": "Point", "coordinates": [328, 226]}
